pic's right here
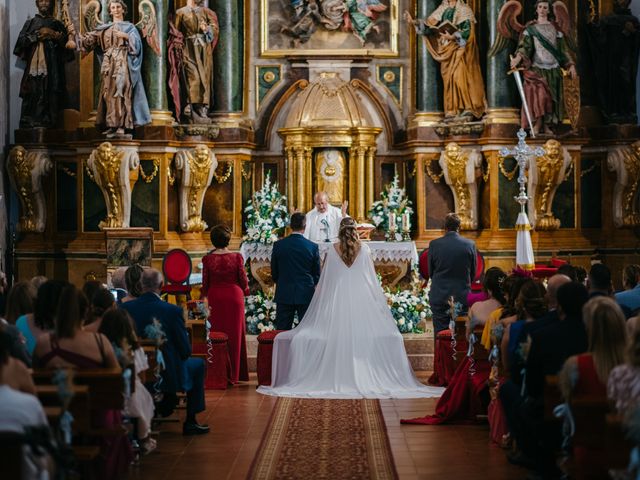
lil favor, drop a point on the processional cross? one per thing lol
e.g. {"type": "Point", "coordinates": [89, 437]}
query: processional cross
{"type": "Point", "coordinates": [523, 154]}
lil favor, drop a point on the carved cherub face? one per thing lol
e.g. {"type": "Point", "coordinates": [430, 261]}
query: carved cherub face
{"type": "Point", "coordinates": [44, 7]}
{"type": "Point", "coordinates": [552, 148]}
{"type": "Point", "coordinates": [453, 151]}
{"type": "Point", "coordinates": [201, 154]}
{"type": "Point", "coordinates": [105, 150]}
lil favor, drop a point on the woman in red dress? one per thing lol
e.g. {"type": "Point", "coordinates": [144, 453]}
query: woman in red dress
{"type": "Point", "coordinates": [224, 284]}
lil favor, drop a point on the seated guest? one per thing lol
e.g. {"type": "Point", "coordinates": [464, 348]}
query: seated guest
{"type": "Point", "coordinates": [90, 288]}
{"type": "Point", "coordinates": [20, 301]}
{"type": "Point", "coordinates": [569, 271]}
{"type": "Point", "coordinates": [629, 299]}
{"type": "Point", "coordinates": [581, 275]}
{"type": "Point", "coordinates": [100, 304]}
{"type": "Point", "coordinates": [119, 284]}
{"type": "Point", "coordinates": [588, 373]}
{"type": "Point", "coordinates": [182, 373]}
{"type": "Point", "coordinates": [20, 411]}
{"type": "Point", "coordinates": [480, 310]}
{"type": "Point", "coordinates": [623, 386]}
{"type": "Point", "coordinates": [550, 347]}
{"type": "Point", "coordinates": [132, 279]}
{"type": "Point", "coordinates": [599, 281]}
{"type": "Point", "coordinates": [15, 372]}
{"type": "Point", "coordinates": [118, 327]}
{"type": "Point", "coordinates": [32, 326]}
{"type": "Point", "coordinates": [70, 346]}
{"type": "Point", "coordinates": [501, 317]}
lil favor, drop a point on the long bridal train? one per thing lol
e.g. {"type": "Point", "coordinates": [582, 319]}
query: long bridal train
{"type": "Point", "coordinates": [347, 345]}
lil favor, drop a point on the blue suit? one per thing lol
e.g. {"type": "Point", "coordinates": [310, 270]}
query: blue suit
{"type": "Point", "coordinates": [295, 268]}
{"type": "Point", "coordinates": [182, 373]}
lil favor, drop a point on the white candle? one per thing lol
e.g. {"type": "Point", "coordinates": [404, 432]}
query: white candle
{"type": "Point", "coordinates": [392, 221]}
{"type": "Point", "coordinates": [405, 222]}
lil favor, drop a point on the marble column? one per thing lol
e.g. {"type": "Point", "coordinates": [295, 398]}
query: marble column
{"type": "Point", "coordinates": [228, 57]}
{"type": "Point", "coordinates": [429, 90]}
{"type": "Point", "coordinates": [154, 69]}
{"type": "Point", "coordinates": [501, 88]}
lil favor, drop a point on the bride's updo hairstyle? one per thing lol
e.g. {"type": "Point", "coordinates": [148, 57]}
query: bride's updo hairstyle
{"type": "Point", "coordinates": [349, 240]}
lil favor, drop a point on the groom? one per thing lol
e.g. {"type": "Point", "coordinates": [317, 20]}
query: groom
{"type": "Point", "coordinates": [295, 268]}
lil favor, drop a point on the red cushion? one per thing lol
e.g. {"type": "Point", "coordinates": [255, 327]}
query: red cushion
{"type": "Point", "coordinates": [544, 272]}
{"type": "Point", "coordinates": [268, 336]}
{"type": "Point", "coordinates": [444, 334]}
{"type": "Point", "coordinates": [176, 266]}
{"type": "Point", "coordinates": [556, 262]}
{"type": "Point", "coordinates": [218, 337]}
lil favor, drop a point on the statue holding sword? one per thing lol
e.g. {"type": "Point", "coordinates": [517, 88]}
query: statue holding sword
{"type": "Point", "coordinates": [542, 65]}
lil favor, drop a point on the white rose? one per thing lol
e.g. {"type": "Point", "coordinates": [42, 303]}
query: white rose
{"type": "Point", "coordinates": [423, 314]}
{"type": "Point", "coordinates": [401, 321]}
{"type": "Point", "coordinates": [400, 310]}
{"type": "Point", "coordinates": [261, 316]}
{"type": "Point", "coordinates": [261, 326]}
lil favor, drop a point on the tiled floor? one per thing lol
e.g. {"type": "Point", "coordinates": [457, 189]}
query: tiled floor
{"type": "Point", "coordinates": [239, 415]}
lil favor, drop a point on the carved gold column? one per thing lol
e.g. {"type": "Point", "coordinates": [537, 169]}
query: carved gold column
{"type": "Point", "coordinates": [195, 171]}
{"type": "Point", "coordinates": [290, 157]}
{"type": "Point", "coordinates": [370, 179]}
{"type": "Point", "coordinates": [625, 162]}
{"type": "Point", "coordinates": [26, 170]}
{"type": "Point", "coordinates": [115, 170]}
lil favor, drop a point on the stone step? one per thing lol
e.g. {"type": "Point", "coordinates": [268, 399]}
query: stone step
{"type": "Point", "coordinates": [419, 347]}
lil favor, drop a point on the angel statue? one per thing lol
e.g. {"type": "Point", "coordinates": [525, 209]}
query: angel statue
{"type": "Point", "coordinates": [450, 36]}
{"type": "Point", "coordinates": [361, 16]}
{"type": "Point", "coordinates": [545, 48]}
{"type": "Point", "coordinates": [192, 40]}
{"type": "Point", "coordinates": [122, 101]}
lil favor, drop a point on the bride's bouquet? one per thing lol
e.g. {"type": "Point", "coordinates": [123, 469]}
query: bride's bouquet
{"type": "Point", "coordinates": [393, 200]}
{"type": "Point", "coordinates": [267, 214]}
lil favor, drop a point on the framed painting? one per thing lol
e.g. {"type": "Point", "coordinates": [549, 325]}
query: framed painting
{"type": "Point", "coordinates": [329, 28]}
{"type": "Point", "coordinates": [127, 246]}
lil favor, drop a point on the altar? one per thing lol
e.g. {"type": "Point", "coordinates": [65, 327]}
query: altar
{"type": "Point", "coordinates": [394, 261]}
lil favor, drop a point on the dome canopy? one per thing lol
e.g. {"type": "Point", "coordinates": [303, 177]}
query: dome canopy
{"type": "Point", "coordinates": [327, 102]}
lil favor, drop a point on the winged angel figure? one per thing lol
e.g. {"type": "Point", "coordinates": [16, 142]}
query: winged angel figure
{"type": "Point", "coordinates": [122, 101]}
{"type": "Point", "coordinates": [545, 56]}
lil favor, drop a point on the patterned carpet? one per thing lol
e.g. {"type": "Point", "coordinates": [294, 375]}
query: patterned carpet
{"type": "Point", "coordinates": [324, 439]}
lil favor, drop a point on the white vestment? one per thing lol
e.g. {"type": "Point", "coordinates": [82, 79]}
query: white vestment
{"type": "Point", "coordinates": [323, 225]}
{"type": "Point", "coordinates": [347, 344]}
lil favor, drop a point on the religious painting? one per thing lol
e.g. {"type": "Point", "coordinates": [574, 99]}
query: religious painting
{"type": "Point", "coordinates": [329, 27]}
{"type": "Point", "coordinates": [127, 246]}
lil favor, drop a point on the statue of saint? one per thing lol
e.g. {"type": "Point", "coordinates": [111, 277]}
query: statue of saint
{"type": "Point", "coordinates": [193, 39]}
{"type": "Point", "coordinates": [122, 101]}
{"type": "Point", "coordinates": [41, 44]}
{"type": "Point", "coordinates": [544, 49]}
{"type": "Point", "coordinates": [450, 36]}
{"type": "Point", "coordinates": [614, 43]}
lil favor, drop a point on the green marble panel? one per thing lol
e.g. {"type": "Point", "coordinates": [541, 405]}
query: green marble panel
{"type": "Point", "coordinates": [429, 89]}
{"type": "Point", "coordinates": [508, 209]}
{"type": "Point", "coordinates": [501, 88]}
{"type": "Point", "coordinates": [391, 78]}
{"type": "Point", "coordinates": [66, 198]}
{"type": "Point", "coordinates": [154, 66]}
{"type": "Point", "coordinates": [228, 57]}
{"type": "Point", "coordinates": [94, 208]}
{"type": "Point", "coordinates": [564, 205]}
{"type": "Point", "coordinates": [145, 200]}
{"type": "Point", "coordinates": [267, 78]}
{"type": "Point", "coordinates": [591, 196]}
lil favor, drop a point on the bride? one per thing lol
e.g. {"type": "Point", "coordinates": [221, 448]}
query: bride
{"type": "Point", "coordinates": [347, 345]}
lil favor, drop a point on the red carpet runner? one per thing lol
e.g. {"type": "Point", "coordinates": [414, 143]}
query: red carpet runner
{"type": "Point", "coordinates": [324, 439]}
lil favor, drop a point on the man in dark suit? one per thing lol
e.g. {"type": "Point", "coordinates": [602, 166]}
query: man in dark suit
{"type": "Point", "coordinates": [452, 267]}
{"type": "Point", "coordinates": [295, 268]}
{"type": "Point", "coordinates": [181, 373]}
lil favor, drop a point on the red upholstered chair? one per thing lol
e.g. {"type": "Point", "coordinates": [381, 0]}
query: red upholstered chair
{"type": "Point", "coordinates": [218, 362]}
{"type": "Point", "coordinates": [444, 366]}
{"type": "Point", "coordinates": [176, 268]}
{"type": "Point", "coordinates": [265, 351]}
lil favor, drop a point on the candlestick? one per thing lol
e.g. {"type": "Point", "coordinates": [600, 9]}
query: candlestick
{"type": "Point", "coordinates": [405, 222]}
{"type": "Point", "coordinates": [392, 222]}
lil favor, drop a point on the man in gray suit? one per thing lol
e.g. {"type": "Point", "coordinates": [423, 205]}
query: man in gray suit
{"type": "Point", "coordinates": [452, 267]}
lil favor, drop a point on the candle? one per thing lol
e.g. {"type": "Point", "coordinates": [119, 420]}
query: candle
{"type": "Point", "coordinates": [405, 222]}
{"type": "Point", "coordinates": [392, 221]}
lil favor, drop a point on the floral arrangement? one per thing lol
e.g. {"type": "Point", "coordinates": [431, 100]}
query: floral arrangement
{"type": "Point", "coordinates": [408, 308]}
{"type": "Point", "coordinates": [393, 200]}
{"type": "Point", "coordinates": [260, 313]}
{"type": "Point", "coordinates": [266, 214]}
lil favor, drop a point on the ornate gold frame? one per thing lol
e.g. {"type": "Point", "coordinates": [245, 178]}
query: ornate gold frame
{"type": "Point", "coordinates": [265, 51]}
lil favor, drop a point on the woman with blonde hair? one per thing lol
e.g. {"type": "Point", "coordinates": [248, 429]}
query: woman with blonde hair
{"type": "Point", "coordinates": [347, 345]}
{"type": "Point", "coordinates": [588, 373]}
{"type": "Point", "coordinates": [623, 386]}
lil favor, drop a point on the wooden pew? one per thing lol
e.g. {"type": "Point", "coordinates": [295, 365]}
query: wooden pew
{"type": "Point", "coordinates": [79, 406]}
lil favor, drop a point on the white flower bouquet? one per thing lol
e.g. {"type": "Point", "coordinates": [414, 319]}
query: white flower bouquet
{"type": "Point", "coordinates": [408, 309]}
{"type": "Point", "coordinates": [267, 214]}
{"type": "Point", "coordinates": [260, 313]}
{"type": "Point", "coordinates": [393, 200]}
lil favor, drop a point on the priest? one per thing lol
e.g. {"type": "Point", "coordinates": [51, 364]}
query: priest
{"type": "Point", "coordinates": [323, 222]}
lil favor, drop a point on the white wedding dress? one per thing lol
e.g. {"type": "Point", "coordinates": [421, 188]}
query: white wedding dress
{"type": "Point", "coordinates": [347, 345]}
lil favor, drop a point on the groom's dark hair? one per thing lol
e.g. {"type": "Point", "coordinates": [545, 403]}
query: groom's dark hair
{"type": "Point", "coordinates": [298, 221]}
